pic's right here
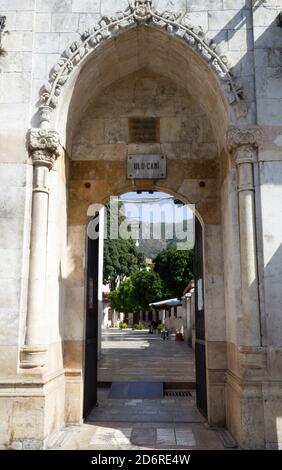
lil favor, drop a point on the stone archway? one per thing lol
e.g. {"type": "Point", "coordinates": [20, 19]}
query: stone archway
{"type": "Point", "coordinates": [140, 12]}
{"type": "Point", "coordinates": [191, 68]}
{"type": "Point", "coordinates": [98, 169]}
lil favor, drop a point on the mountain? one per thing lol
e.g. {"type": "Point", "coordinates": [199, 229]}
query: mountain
{"type": "Point", "coordinates": [155, 237]}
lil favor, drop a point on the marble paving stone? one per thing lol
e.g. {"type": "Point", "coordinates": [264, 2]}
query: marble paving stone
{"type": "Point", "coordinates": [185, 437]}
{"type": "Point", "coordinates": [166, 437]}
{"type": "Point", "coordinates": [111, 436]}
{"type": "Point", "coordinates": [115, 436]}
{"type": "Point", "coordinates": [122, 436]}
{"type": "Point", "coordinates": [179, 410]}
{"type": "Point", "coordinates": [143, 424]}
{"type": "Point", "coordinates": [136, 402]}
{"type": "Point", "coordinates": [140, 438]}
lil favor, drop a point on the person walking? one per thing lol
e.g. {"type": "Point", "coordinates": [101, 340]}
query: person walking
{"type": "Point", "coordinates": [167, 328]}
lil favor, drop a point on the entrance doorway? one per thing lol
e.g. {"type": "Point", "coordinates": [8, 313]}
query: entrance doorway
{"type": "Point", "coordinates": [113, 365]}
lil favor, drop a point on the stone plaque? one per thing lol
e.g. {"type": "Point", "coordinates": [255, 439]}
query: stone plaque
{"type": "Point", "coordinates": [146, 167]}
{"type": "Point", "coordinates": [144, 130]}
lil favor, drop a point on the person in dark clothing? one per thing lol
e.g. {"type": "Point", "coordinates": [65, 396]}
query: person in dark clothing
{"type": "Point", "coordinates": [155, 326]}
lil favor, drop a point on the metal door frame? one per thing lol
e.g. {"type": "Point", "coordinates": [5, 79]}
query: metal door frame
{"type": "Point", "coordinates": [90, 382]}
{"type": "Point", "coordinates": [200, 340]}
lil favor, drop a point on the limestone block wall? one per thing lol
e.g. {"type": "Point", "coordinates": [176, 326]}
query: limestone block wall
{"type": "Point", "coordinates": [41, 30]}
{"type": "Point", "coordinates": [16, 179]}
{"type": "Point", "coordinates": [268, 63]}
{"type": "Point", "coordinates": [103, 133]}
{"type": "Point", "coordinates": [271, 193]}
{"type": "Point", "coordinates": [15, 206]}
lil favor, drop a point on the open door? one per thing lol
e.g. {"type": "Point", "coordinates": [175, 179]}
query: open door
{"type": "Point", "coordinates": [91, 330]}
{"type": "Point", "coordinates": [200, 343]}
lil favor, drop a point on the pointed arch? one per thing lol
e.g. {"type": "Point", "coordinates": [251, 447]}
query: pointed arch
{"type": "Point", "coordinates": [139, 13]}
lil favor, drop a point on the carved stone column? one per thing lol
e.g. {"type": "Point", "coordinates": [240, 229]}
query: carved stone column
{"type": "Point", "coordinates": [44, 149]}
{"type": "Point", "coordinates": [244, 144]}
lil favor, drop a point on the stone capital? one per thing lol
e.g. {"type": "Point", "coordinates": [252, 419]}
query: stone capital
{"type": "Point", "coordinates": [244, 136]}
{"type": "Point", "coordinates": [44, 146]}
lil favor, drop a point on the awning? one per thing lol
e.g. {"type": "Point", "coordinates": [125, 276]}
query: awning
{"type": "Point", "coordinates": [169, 303]}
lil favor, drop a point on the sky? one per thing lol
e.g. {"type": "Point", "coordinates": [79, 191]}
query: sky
{"type": "Point", "coordinates": [160, 207]}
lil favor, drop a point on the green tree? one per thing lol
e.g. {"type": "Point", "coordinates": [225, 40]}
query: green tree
{"type": "Point", "coordinates": [175, 268]}
{"type": "Point", "coordinates": [137, 292]}
{"type": "Point", "coordinates": [121, 257]}
{"type": "Point", "coordinates": [146, 288]}
{"type": "Point", "coordinates": [121, 298]}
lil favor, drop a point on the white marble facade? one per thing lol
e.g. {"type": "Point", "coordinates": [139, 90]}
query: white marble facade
{"type": "Point", "coordinates": [225, 59]}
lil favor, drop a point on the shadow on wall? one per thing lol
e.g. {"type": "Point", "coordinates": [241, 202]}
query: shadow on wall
{"type": "Point", "coordinates": [271, 368]}
{"type": "Point", "coordinates": [232, 32]}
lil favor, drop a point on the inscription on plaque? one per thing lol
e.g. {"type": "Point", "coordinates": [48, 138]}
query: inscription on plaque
{"type": "Point", "coordinates": [144, 130]}
{"type": "Point", "coordinates": [146, 167]}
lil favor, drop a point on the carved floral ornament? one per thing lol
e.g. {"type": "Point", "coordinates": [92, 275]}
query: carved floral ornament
{"type": "Point", "coordinates": [243, 142]}
{"type": "Point", "coordinates": [250, 136]}
{"type": "Point", "coordinates": [139, 12]}
{"type": "Point", "coordinates": [44, 146]}
{"type": "Point", "coordinates": [142, 10]}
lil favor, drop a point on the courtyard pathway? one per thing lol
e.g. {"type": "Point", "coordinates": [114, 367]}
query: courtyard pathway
{"type": "Point", "coordinates": [172, 422]}
{"type": "Point", "coordinates": [119, 424]}
{"type": "Point", "coordinates": [137, 355]}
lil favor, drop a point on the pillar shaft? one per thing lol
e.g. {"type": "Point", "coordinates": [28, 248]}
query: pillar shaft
{"type": "Point", "coordinates": [44, 150]}
{"type": "Point", "coordinates": [244, 143]}
{"type": "Point", "coordinates": [248, 250]}
{"type": "Point", "coordinates": [35, 330]}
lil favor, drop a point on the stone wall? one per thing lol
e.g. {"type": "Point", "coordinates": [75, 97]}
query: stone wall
{"type": "Point", "coordinates": [185, 131]}
{"type": "Point", "coordinates": [15, 207]}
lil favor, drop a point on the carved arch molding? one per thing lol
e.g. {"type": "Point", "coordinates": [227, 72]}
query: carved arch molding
{"type": "Point", "coordinates": [139, 12]}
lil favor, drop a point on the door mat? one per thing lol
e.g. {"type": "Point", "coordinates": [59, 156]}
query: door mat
{"type": "Point", "coordinates": [139, 390]}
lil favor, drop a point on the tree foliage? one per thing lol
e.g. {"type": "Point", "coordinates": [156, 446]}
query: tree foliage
{"type": "Point", "coordinates": [137, 292]}
{"type": "Point", "coordinates": [147, 288]}
{"type": "Point", "coordinates": [121, 257]}
{"type": "Point", "coordinates": [175, 268]}
{"type": "Point", "coordinates": [121, 298]}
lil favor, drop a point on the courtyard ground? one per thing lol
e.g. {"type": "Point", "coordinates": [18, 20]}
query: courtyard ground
{"type": "Point", "coordinates": [170, 422]}
{"type": "Point", "coordinates": [137, 355]}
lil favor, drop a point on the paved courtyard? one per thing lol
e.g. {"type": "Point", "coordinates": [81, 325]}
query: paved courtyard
{"type": "Point", "coordinates": [172, 422]}
{"type": "Point", "coordinates": [141, 424]}
{"type": "Point", "coordinates": [137, 355]}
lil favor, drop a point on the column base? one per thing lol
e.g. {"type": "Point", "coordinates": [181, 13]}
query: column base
{"type": "Point", "coordinates": [31, 410]}
{"type": "Point", "coordinates": [33, 356]}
